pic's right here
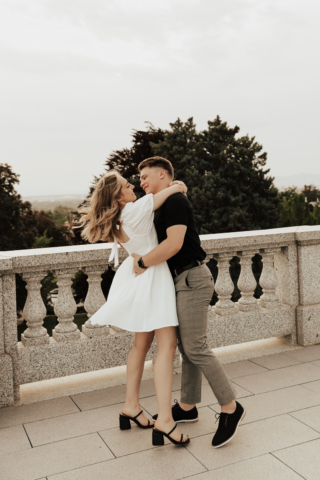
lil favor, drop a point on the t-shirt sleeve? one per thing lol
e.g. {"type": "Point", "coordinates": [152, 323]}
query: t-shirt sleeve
{"type": "Point", "coordinates": [138, 216]}
{"type": "Point", "coordinates": [177, 211]}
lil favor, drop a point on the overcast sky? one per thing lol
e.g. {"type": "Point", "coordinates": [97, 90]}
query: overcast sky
{"type": "Point", "coordinates": [77, 76]}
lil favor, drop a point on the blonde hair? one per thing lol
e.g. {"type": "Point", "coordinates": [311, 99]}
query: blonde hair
{"type": "Point", "coordinates": [100, 215]}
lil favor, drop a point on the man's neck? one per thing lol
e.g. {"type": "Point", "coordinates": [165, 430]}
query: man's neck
{"type": "Point", "coordinates": [161, 187]}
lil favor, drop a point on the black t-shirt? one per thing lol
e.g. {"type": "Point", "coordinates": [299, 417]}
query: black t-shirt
{"type": "Point", "coordinates": [177, 210]}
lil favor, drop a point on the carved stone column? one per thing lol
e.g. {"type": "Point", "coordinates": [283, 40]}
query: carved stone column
{"type": "Point", "coordinates": [65, 307]}
{"type": "Point", "coordinates": [268, 279]}
{"type": "Point", "coordinates": [34, 310]}
{"type": "Point", "coordinates": [94, 300]}
{"type": "Point", "coordinates": [224, 285]}
{"type": "Point", "coordinates": [247, 283]}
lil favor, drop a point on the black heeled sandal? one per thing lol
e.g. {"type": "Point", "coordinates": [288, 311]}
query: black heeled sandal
{"type": "Point", "coordinates": [124, 421]}
{"type": "Point", "coordinates": [157, 437]}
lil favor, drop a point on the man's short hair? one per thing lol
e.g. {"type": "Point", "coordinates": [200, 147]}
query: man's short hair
{"type": "Point", "coordinates": [157, 162]}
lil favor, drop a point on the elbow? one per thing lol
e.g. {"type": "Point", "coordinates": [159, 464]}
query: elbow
{"type": "Point", "coordinates": [176, 248]}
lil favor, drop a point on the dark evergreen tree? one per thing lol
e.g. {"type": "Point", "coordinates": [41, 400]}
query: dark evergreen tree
{"type": "Point", "coordinates": [311, 192]}
{"type": "Point", "coordinates": [295, 211]}
{"type": "Point", "coordinates": [228, 186]}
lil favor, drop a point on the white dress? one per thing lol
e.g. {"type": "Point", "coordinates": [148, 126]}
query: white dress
{"type": "Point", "coordinates": [148, 301]}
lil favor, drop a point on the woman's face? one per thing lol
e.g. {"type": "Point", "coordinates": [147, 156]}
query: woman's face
{"type": "Point", "coordinates": [127, 194]}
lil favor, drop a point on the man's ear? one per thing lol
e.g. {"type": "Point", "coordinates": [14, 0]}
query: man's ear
{"type": "Point", "coordinates": [162, 173]}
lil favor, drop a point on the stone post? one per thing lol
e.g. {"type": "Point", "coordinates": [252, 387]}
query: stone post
{"type": "Point", "coordinates": [247, 283]}
{"type": "Point", "coordinates": [268, 279]}
{"type": "Point", "coordinates": [34, 310]}
{"type": "Point", "coordinates": [94, 300]}
{"type": "Point", "coordinates": [224, 285]}
{"type": "Point", "coordinates": [308, 312]}
{"type": "Point", "coordinates": [65, 307]}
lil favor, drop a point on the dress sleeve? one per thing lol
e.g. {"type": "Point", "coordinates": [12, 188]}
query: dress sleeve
{"type": "Point", "coordinates": [138, 216]}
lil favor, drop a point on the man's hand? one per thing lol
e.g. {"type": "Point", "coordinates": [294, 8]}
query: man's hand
{"type": "Point", "coordinates": [136, 268]}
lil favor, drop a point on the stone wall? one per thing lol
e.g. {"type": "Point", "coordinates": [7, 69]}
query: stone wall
{"type": "Point", "coordinates": [289, 306]}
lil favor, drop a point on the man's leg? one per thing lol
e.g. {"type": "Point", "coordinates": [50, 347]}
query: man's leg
{"type": "Point", "coordinates": [194, 291]}
{"type": "Point", "coordinates": [191, 379]}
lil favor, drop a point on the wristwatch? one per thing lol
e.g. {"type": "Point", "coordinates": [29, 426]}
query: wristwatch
{"type": "Point", "coordinates": [141, 264]}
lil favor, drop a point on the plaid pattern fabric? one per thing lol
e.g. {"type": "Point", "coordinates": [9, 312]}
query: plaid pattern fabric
{"type": "Point", "coordinates": [194, 290]}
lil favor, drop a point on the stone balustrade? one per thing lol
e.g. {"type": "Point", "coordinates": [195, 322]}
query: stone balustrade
{"type": "Point", "coordinates": [289, 305]}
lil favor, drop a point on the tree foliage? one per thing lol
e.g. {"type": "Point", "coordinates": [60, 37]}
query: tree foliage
{"type": "Point", "coordinates": [295, 211]}
{"type": "Point", "coordinates": [228, 185]}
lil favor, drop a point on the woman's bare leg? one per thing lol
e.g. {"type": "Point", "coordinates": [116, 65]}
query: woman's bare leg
{"type": "Point", "coordinates": [135, 364]}
{"type": "Point", "coordinates": [163, 378]}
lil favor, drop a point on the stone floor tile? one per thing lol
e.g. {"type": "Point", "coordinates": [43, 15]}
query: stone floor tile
{"type": "Point", "coordinates": [74, 425]}
{"type": "Point", "coordinates": [277, 402]}
{"type": "Point", "coordinates": [32, 412]}
{"type": "Point", "coordinates": [313, 386]}
{"type": "Point", "coordinates": [252, 440]}
{"type": "Point", "coordinates": [303, 459]}
{"type": "Point", "coordinates": [241, 369]}
{"type": "Point", "coordinates": [317, 362]}
{"type": "Point", "coordinates": [207, 398]}
{"type": "Point", "coordinates": [306, 354]}
{"type": "Point", "coordinates": [100, 398]}
{"type": "Point", "coordinates": [13, 439]}
{"type": "Point", "coordinates": [273, 362]}
{"type": "Point", "coordinates": [309, 416]}
{"type": "Point", "coordinates": [161, 463]}
{"type": "Point", "coordinates": [276, 379]}
{"type": "Point", "coordinates": [136, 440]}
{"type": "Point", "coordinates": [55, 458]}
{"type": "Point", "coordinates": [265, 467]}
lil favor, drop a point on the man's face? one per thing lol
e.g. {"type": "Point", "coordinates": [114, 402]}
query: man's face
{"type": "Point", "coordinates": [150, 179]}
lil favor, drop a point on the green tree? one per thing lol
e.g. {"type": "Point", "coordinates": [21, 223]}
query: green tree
{"type": "Point", "coordinates": [316, 214]}
{"type": "Point", "coordinates": [287, 193]}
{"type": "Point", "coordinates": [311, 192]}
{"type": "Point", "coordinates": [42, 241]}
{"type": "Point", "coordinates": [228, 186]}
{"type": "Point", "coordinates": [60, 215]}
{"type": "Point", "coordinates": [295, 211]}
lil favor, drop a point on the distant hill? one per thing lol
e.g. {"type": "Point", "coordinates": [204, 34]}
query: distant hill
{"type": "Point", "coordinates": [50, 202]}
{"type": "Point", "coordinates": [299, 180]}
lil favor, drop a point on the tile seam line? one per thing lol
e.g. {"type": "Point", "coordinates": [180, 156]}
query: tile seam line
{"type": "Point", "coordinates": [58, 441]}
{"type": "Point", "coordinates": [75, 403]}
{"type": "Point", "coordinates": [107, 445]}
{"type": "Point", "coordinates": [295, 445]}
{"type": "Point", "coordinates": [27, 435]}
{"type": "Point", "coordinates": [317, 431]}
{"type": "Point", "coordinates": [278, 369]}
{"type": "Point", "coordinates": [235, 463]}
{"type": "Point", "coordinates": [288, 466]}
{"type": "Point", "coordinates": [197, 459]}
{"type": "Point", "coordinates": [275, 389]}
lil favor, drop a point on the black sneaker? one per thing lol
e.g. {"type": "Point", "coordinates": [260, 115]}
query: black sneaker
{"type": "Point", "coordinates": [181, 416]}
{"type": "Point", "coordinates": [228, 426]}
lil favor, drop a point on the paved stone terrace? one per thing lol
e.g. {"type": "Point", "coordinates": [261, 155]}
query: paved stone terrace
{"type": "Point", "coordinates": [77, 437]}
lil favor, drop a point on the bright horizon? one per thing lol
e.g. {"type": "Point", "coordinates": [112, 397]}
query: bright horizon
{"type": "Point", "coordinates": [78, 78]}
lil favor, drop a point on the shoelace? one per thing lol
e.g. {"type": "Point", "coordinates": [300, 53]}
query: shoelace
{"type": "Point", "coordinates": [220, 416]}
{"type": "Point", "coordinates": [176, 404]}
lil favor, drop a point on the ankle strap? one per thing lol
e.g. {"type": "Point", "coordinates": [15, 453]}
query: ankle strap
{"type": "Point", "coordinates": [173, 429]}
{"type": "Point", "coordinates": [138, 414]}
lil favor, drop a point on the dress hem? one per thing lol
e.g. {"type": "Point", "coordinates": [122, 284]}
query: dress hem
{"type": "Point", "coordinates": [134, 331]}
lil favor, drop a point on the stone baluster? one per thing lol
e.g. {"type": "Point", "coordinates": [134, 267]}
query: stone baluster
{"type": "Point", "coordinates": [34, 310]}
{"type": "Point", "coordinates": [65, 307]}
{"type": "Point", "coordinates": [247, 283]}
{"type": "Point", "coordinates": [268, 279]}
{"type": "Point", "coordinates": [94, 300]}
{"type": "Point", "coordinates": [224, 285]}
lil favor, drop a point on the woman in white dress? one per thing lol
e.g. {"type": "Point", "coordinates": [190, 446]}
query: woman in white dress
{"type": "Point", "coordinates": [144, 304]}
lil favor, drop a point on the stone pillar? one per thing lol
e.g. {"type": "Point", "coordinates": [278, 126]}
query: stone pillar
{"type": "Point", "coordinates": [224, 285]}
{"type": "Point", "coordinates": [94, 300]}
{"type": "Point", "coordinates": [34, 310]}
{"type": "Point", "coordinates": [308, 312]}
{"type": "Point", "coordinates": [268, 279]}
{"type": "Point", "coordinates": [247, 283]}
{"type": "Point", "coordinates": [65, 307]}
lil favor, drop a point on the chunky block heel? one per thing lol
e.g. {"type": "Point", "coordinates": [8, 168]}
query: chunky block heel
{"type": "Point", "coordinates": [124, 422]}
{"type": "Point", "coordinates": [157, 438]}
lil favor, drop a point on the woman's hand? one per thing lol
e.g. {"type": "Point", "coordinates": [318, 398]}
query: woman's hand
{"type": "Point", "coordinates": [183, 185]}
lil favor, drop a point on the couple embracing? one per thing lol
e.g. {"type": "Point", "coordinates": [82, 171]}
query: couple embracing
{"type": "Point", "coordinates": [163, 288]}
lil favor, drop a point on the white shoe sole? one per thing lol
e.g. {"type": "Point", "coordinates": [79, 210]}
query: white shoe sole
{"type": "Point", "coordinates": [188, 421]}
{"type": "Point", "coordinates": [224, 443]}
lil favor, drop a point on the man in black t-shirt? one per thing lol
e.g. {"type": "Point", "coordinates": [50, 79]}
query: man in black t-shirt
{"type": "Point", "coordinates": [180, 246]}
